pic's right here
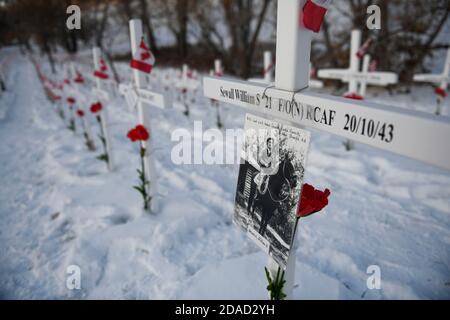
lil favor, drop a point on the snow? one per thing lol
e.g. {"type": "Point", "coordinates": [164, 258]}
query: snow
{"type": "Point", "coordinates": [59, 206]}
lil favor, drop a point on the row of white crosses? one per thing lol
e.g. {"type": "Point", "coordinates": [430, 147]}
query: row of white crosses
{"type": "Point", "coordinates": [139, 96]}
{"type": "Point", "coordinates": [188, 82]}
{"type": "Point", "coordinates": [353, 76]}
{"type": "Point", "coordinates": [441, 79]}
{"type": "Point", "coordinates": [77, 90]}
{"type": "Point", "coordinates": [408, 133]}
{"type": "Point", "coordinates": [217, 72]}
{"type": "Point", "coordinates": [74, 90]}
{"type": "Point", "coordinates": [358, 81]}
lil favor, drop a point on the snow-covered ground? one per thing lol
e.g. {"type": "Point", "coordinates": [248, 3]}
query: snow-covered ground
{"type": "Point", "coordinates": [59, 206]}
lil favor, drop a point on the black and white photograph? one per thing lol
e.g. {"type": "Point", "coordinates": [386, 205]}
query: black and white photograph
{"type": "Point", "coordinates": [271, 172]}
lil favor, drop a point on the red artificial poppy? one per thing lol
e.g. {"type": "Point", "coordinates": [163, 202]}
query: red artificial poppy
{"type": "Point", "coordinates": [80, 113]}
{"type": "Point", "coordinates": [184, 91]}
{"type": "Point", "coordinates": [96, 107]}
{"type": "Point", "coordinates": [440, 92]}
{"type": "Point", "coordinates": [100, 74]}
{"type": "Point", "coordinates": [312, 200]}
{"type": "Point", "coordinates": [132, 135]}
{"type": "Point", "coordinates": [71, 100]}
{"type": "Point", "coordinates": [66, 81]}
{"type": "Point", "coordinates": [138, 133]}
{"type": "Point", "coordinates": [353, 96]}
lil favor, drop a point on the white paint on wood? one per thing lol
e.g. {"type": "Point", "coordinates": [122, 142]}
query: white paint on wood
{"type": "Point", "coordinates": [413, 134]}
{"type": "Point", "coordinates": [143, 114]}
{"type": "Point", "coordinates": [293, 47]}
{"type": "Point", "coordinates": [103, 97]}
{"type": "Point", "coordinates": [442, 79]}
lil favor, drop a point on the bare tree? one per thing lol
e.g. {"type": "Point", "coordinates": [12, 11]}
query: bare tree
{"type": "Point", "coordinates": [408, 34]}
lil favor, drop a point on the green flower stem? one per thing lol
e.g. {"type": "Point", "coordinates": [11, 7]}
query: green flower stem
{"type": "Point", "coordinates": [275, 286]}
{"type": "Point", "coordinates": [104, 156]}
{"type": "Point", "coordinates": [143, 182]}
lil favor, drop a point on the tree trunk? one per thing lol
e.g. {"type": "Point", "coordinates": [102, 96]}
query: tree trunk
{"type": "Point", "coordinates": [148, 26]}
{"type": "Point", "coordinates": [182, 17]}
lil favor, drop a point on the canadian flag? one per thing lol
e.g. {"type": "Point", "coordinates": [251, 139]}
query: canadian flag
{"type": "Point", "coordinates": [102, 71]}
{"type": "Point", "coordinates": [143, 59]}
{"type": "Point", "coordinates": [268, 68]}
{"type": "Point", "coordinates": [362, 51]}
{"type": "Point", "coordinates": [313, 13]}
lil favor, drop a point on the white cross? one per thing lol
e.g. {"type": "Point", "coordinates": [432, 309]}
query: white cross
{"type": "Point", "coordinates": [218, 71]}
{"type": "Point", "coordinates": [103, 96]}
{"type": "Point", "coordinates": [353, 76]}
{"type": "Point", "coordinates": [268, 70]}
{"type": "Point", "coordinates": [441, 79]}
{"type": "Point", "coordinates": [409, 133]}
{"type": "Point", "coordinates": [144, 98]}
{"type": "Point", "coordinates": [187, 82]}
{"type": "Point", "coordinates": [314, 83]}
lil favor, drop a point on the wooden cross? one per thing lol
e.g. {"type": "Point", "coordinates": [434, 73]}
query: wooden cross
{"type": "Point", "coordinates": [408, 133]}
{"type": "Point", "coordinates": [441, 79]}
{"type": "Point", "coordinates": [187, 82]}
{"type": "Point", "coordinates": [103, 96]}
{"type": "Point", "coordinates": [138, 94]}
{"type": "Point", "coordinates": [268, 70]}
{"type": "Point", "coordinates": [353, 76]}
{"type": "Point", "coordinates": [314, 83]}
{"type": "Point", "coordinates": [218, 72]}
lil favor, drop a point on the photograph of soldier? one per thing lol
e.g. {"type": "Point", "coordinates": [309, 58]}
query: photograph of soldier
{"type": "Point", "coordinates": [270, 177]}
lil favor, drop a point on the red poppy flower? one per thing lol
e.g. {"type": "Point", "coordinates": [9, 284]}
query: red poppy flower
{"type": "Point", "coordinates": [80, 113]}
{"type": "Point", "coordinates": [138, 133]}
{"type": "Point", "coordinates": [184, 91]}
{"type": "Point", "coordinates": [312, 200]}
{"type": "Point", "coordinates": [71, 100]}
{"type": "Point", "coordinates": [440, 92]}
{"type": "Point", "coordinates": [66, 81]}
{"type": "Point", "coordinates": [96, 107]}
{"type": "Point", "coordinates": [353, 96]}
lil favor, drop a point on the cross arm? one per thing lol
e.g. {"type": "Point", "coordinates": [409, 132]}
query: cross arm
{"type": "Point", "coordinates": [336, 74]}
{"type": "Point", "coordinates": [433, 78]}
{"type": "Point", "coordinates": [345, 75]}
{"type": "Point", "coordinates": [413, 134]}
